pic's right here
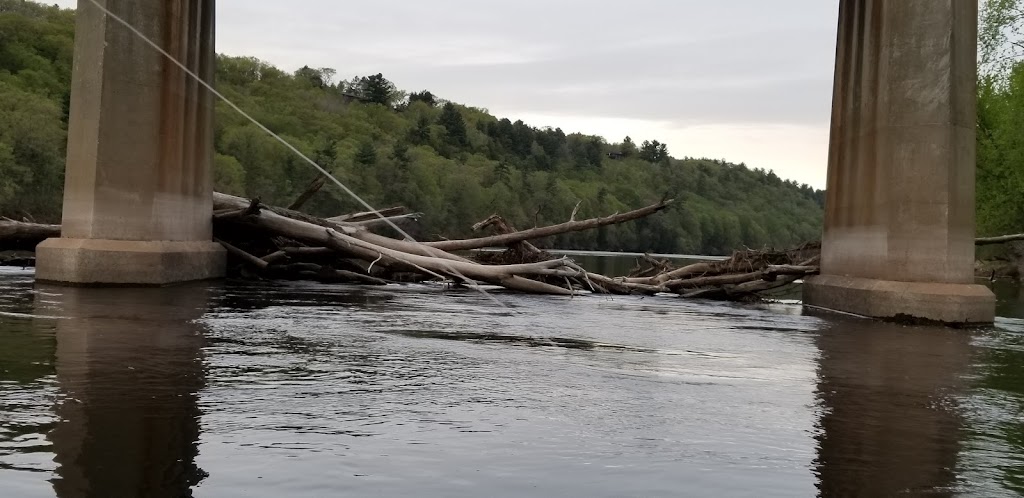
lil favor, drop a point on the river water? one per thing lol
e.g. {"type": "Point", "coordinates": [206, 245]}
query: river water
{"type": "Point", "coordinates": [298, 389]}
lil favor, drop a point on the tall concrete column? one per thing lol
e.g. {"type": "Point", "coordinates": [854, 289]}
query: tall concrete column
{"type": "Point", "coordinates": [138, 188]}
{"type": "Point", "coordinates": [899, 217]}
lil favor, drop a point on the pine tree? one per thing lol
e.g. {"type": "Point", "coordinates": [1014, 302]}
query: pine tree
{"type": "Point", "coordinates": [454, 125]}
{"type": "Point", "coordinates": [367, 154]}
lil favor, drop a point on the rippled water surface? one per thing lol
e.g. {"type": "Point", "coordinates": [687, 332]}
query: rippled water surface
{"type": "Point", "coordinates": [240, 389]}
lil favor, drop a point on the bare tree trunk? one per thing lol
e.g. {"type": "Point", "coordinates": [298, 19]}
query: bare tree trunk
{"type": "Point", "coordinates": [541, 232]}
{"type": "Point", "coordinates": [224, 201]}
{"type": "Point", "coordinates": [435, 262]}
{"type": "Point", "coordinates": [314, 187]}
{"type": "Point", "coordinates": [22, 236]}
{"type": "Point", "coordinates": [244, 256]}
{"type": "Point", "coordinates": [503, 227]}
{"type": "Point", "coordinates": [368, 215]}
{"type": "Point", "coordinates": [984, 241]}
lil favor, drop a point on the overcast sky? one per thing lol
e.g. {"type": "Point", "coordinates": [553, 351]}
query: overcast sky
{"type": "Point", "coordinates": [745, 80]}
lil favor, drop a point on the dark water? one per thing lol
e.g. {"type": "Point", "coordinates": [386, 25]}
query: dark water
{"type": "Point", "coordinates": [309, 390]}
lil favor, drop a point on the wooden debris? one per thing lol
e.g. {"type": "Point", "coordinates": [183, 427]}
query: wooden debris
{"type": "Point", "coordinates": [314, 187]}
{"type": "Point", "coordinates": [24, 236]}
{"type": "Point", "coordinates": [1002, 239]}
{"type": "Point", "coordinates": [282, 243]}
{"type": "Point", "coordinates": [548, 231]}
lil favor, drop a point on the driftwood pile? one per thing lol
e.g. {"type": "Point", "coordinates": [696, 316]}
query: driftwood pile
{"type": "Point", "coordinates": [744, 275]}
{"type": "Point", "coordinates": [269, 242]}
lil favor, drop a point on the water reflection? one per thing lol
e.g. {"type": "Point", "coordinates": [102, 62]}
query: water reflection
{"type": "Point", "coordinates": [129, 367]}
{"type": "Point", "coordinates": [1009, 297]}
{"type": "Point", "coordinates": [890, 423]}
{"type": "Point", "coordinates": [314, 390]}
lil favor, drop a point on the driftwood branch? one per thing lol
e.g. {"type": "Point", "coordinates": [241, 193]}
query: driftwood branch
{"type": "Point", "coordinates": [412, 256]}
{"type": "Point", "coordinates": [244, 256]}
{"type": "Point", "coordinates": [541, 232]}
{"type": "Point", "coordinates": [314, 187]}
{"type": "Point", "coordinates": [368, 215]}
{"type": "Point", "coordinates": [1002, 239]}
{"type": "Point", "coordinates": [503, 227]}
{"type": "Point", "coordinates": [25, 236]}
{"type": "Point", "coordinates": [375, 222]}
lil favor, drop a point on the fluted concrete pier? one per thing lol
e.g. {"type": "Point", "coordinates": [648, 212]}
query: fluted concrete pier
{"type": "Point", "coordinates": [899, 216]}
{"type": "Point", "coordinates": [138, 187]}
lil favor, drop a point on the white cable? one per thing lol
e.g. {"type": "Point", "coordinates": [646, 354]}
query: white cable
{"type": "Point", "coordinates": [426, 251]}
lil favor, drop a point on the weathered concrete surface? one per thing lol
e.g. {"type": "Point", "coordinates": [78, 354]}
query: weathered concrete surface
{"type": "Point", "coordinates": [128, 262]}
{"type": "Point", "coordinates": [140, 148]}
{"type": "Point", "coordinates": [900, 205]}
{"type": "Point", "coordinates": [946, 303]}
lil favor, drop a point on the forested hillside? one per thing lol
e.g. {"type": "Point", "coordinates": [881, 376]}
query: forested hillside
{"type": "Point", "coordinates": [454, 163]}
{"type": "Point", "coordinates": [1000, 181]}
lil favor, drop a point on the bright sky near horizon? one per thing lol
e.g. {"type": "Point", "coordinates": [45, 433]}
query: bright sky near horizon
{"type": "Point", "coordinates": [743, 80]}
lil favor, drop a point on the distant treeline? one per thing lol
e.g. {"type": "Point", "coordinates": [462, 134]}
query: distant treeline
{"type": "Point", "coordinates": [454, 163]}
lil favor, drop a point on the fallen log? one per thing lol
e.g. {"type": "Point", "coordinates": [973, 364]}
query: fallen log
{"type": "Point", "coordinates": [541, 232]}
{"type": "Point", "coordinates": [684, 272]}
{"type": "Point", "coordinates": [244, 256]}
{"type": "Point", "coordinates": [654, 268]}
{"type": "Point", "coordinates": [620, 286]}
{"type": "Point", "coordinates": [1002, 239]}
{"type": "Point", "coordinates": [274, 242]}
{"type": "Point", "coordinates": [225, 201]}
{"type": "Point", "coordinates": [503, 227]}
{"type": "Point", "coordinates": [746, 290]}
{"type": "Point", "coordinates": [769, 273]}
{"type": "Point", "coordinates": [24, 236]}
{"type": "Point", "coordinates": [517, 252]}
{"type": "Point", "coordinates": [716, 281]}
{"type": "Point", "coordinates": [432, 261]}
{"type": "Point", "coordinates": [388, 220]}
{"type": "Point", "coordinates": [314, 187]}
{"type": "Point", "coordinates": [368, 215]}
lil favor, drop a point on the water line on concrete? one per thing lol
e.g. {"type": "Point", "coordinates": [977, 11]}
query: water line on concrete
{"type": "Point", "coordinates": [426, 252]}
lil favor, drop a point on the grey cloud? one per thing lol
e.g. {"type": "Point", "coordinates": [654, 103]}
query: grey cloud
{"type": "Point", "coordinates": [688, 83]}
{"type": "Point", "coordinates": [736, 61]}
{"type": "Point", "coordinates": [686, 61]}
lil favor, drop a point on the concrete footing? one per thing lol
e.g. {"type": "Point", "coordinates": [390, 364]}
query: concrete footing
{"type": "Point", "coordinates": [127, 262]}
{"type": "Point", "coordinates": [951, 304]}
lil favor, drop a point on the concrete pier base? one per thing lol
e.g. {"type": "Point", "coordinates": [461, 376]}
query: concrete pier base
{"type": "Point", "coordinates": [963, 304]}
{"type": "Point", "coordinates": [898, 238]}
{"type": "Point", "coordinates": [138, 192]}
{"type": "Point", "coordinates": [128, 262]}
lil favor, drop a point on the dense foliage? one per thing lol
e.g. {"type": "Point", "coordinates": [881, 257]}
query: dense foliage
{"type": "Point", "coordinates": [457, 164]}
{"type": "Point", "coordinates": [35, 74]}
{"type": "Point", "coordinates": [1000, 179]}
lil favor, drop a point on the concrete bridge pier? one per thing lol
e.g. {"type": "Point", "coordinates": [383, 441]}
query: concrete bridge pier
{"type": "Point", "coordinates": [138, 186]}
{"type": "Point", "coordinates": [899, 218]}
